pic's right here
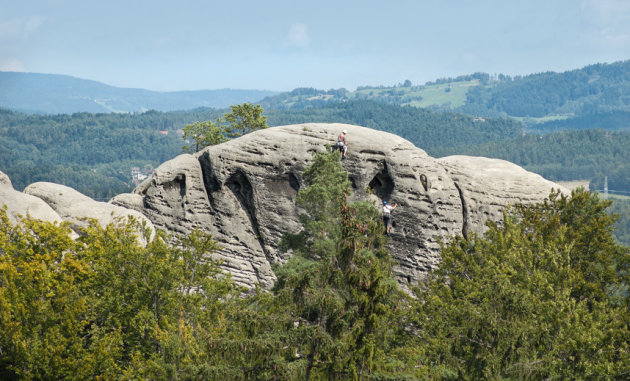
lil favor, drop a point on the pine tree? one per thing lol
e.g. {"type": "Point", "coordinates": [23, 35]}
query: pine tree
{"type": "Point", "coordinates": [339, 282]}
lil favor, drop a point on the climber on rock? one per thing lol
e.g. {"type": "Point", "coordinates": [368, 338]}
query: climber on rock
{"type": "Point", "coordinates": [387, 216]}
{"type": "Point", "coordinates": [341, 143]}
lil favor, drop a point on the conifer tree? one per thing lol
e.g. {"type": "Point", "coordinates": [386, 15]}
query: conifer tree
{"type": "Point", "coordinates": [339, 282]}
{"type": "Point", "coordinates": [542, 296]}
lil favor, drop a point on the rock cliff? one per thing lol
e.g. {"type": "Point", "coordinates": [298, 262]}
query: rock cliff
{"type": "Point", "coordinates": [243, 192]}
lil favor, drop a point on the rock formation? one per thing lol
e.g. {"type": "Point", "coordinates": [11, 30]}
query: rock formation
{"type": "Point", "coordinates": [18, 203]}
{"type": "Point", "coordinates": [76, 207]}
{"type": "Point", "coordinates": [243, 192]}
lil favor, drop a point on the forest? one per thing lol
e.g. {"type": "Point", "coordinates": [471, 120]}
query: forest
{"type": "Point", "coordinates": [590, 90]}
{"type": "Point", "coordinates": [541, 296]}
{"type": "Point", "coordinates": [94, 153]}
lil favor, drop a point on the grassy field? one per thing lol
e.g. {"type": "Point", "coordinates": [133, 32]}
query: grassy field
{"type": "Point", "coordinates": [440, 95]}
{"type": "Point", "coordinates": [444, 94]}
{"type": "Point", "coordinates": [543, 119]}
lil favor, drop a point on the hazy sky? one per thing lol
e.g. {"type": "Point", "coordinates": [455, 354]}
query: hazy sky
{"type": "Point", "coordinates": [280, 45]}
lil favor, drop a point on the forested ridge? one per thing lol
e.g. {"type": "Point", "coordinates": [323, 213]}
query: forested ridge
{"type": "Point", "coordinates": [541, 296]}
{"type": "Point", "coordinates": [92, 153]}
{"type": "Point", "coordinates": [55, 93]}
{"type": "Point", "coordinates": [592, 89]}
{"type": "Point", "coordinates": [566, 155]}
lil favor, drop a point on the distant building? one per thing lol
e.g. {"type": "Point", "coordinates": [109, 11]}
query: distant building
{"type": "Point", "coordinates": [164, 132]}
{"type": "Point", "coordinates": [138, 175]}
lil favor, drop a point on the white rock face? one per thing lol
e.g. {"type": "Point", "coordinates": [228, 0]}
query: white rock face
{"type": "Point", "coordinates": [18, 203]}
{"type": "Point", "coordinates": [74, 206]}
{"type": "Point", "coordinates": [243, 192]}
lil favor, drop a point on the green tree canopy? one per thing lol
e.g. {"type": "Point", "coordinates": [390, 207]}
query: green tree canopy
{"type": "Point", "coordinates": [339, 283]}
{"type": "Point", "coordinates": [203, 134]}
{"type": "Point", "coordinates": [542, 296]}
{"type": "Point", "coordinates": [245, 118]}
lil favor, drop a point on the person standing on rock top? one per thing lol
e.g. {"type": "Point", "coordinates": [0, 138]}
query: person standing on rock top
{"type": "Point", "coordinates": [341, 143]}
{"type": "Point", "coordinates": [387, 216]}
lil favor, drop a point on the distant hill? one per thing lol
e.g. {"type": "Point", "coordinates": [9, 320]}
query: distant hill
{"type": "Point", "coordinates": [62, 94]}
{"type": "Point", "coordinates": [596, 96]}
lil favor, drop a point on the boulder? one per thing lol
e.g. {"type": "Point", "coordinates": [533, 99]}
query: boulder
{"type": "Point", "coordinates": [243, 192]}
{"type": "Point", "coordinates": [76, 207]}
{"type": "Point", "coordinates": [5, 180]}
{"type": "Point", "coordinates": [18, 203]}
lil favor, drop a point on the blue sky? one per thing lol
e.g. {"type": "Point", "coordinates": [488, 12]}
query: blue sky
{"type": "Point", "coordinates": [280, 45]}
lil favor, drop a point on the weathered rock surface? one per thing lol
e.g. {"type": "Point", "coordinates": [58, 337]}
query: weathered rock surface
{"type": "Point", "coordinates": [4, 180]}
{"type": "Point", "coordinates": [243, 192]}
{"type": "Point", "coordinates": [19, 203]}
{"type": "Point", "coordinates": [75, 207]}
{"type": "Point", "coordinates": [487, 186]}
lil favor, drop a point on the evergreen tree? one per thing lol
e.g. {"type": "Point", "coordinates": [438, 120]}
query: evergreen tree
{"type": "Point", "coordinates": [339, 283]}
{"type": "Point", "coordinates": [542, 296]}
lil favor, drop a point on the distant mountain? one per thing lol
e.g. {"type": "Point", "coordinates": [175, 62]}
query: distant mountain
{"type": "Point", "coordinates": [594, 96]}
{"type": "Point", "coordinates": [62, 94]}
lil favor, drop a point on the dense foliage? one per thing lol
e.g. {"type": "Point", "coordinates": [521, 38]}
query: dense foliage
{"type": "Point", "coordinates": [426, 129]}
{"type": "Point", "coordinates": [339, 284]}
{"type": "Point", "coordinates": [241, 120]}
{"type": "Point", "coordinates": [543, 295]}
{"type": "Point", "coordinates": [612, 121]}
{"type": "Point", "coordinates": [92, 153]}
{"type": "Point", "coordinates": [620, 207]}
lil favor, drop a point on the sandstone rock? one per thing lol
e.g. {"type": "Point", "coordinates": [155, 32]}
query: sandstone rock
{"type": "Point", "coordinates": [5, 180]}
{"type": "Point", "coordinates": [243, 192]}
{"type": "Point", "coordinates": [18, 203]}
{"type": "Point", "coordinates": [75, 207]}
{"type": "Point", "coordinates": [131, 201]}
{"type": "Point", "coordinates": [486, 186]}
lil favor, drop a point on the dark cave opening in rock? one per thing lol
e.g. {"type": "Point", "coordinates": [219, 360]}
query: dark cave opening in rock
{"type": "Point", "coordinates": [243, 190]}
{"type": "Point", "coordinates": [240, 185]}
{"type": "Point", "coordinates": [294, 182]}
{"type": "Point", "coordinates": [383, 184]}
{"type": "Point", "coordinates": [353, 183]}
{"type": "Point", "coordinates": [177, 185]}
